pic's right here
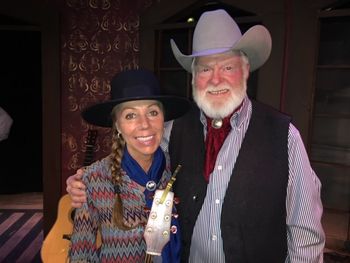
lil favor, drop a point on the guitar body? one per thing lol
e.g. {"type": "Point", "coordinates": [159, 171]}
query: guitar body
{"type": "Point", "coordinates": [56, 245]}
{"type": "Point", "coordinates": [55, 248]}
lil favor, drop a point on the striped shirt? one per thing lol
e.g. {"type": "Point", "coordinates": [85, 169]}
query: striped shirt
{"type": "Point", "coordinates": [305, 236]}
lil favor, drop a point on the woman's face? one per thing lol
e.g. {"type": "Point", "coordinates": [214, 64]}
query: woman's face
{"type": "Point", "coordinates": [141, 123]}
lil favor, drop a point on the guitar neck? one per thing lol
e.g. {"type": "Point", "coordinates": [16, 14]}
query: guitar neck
{"type": "Point", "coordinates": [89, 147]}
{"type": "Point", "coordinates": [89, 154]}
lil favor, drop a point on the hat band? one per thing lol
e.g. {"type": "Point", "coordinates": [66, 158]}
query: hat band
{"type": "Point", "coordinates": [208, 52]}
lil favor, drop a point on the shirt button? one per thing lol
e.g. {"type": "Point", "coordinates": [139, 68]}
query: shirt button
{"type": "Point", "coordinates": [217, 201]}
{"type": "Point", "coordinates": [214, 237]}
{"type": "Point", "coordinates": [219, 167]}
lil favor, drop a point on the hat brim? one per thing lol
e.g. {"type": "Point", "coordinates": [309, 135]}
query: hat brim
{"type": "Point", "coordinates": [100, 114]}
{"type": "Point", "coordinates": [255, 43]}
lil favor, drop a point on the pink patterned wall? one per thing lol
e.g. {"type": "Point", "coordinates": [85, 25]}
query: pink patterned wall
{"type": "Point", "coordinates": [98, 39]}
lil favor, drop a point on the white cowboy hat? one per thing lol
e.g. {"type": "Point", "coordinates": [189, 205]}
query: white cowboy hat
{"type": "Point", "coordinates": [216, 32]}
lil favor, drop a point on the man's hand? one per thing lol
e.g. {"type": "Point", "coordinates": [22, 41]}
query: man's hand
{"type": "Point", "coordinates": [76, 189]}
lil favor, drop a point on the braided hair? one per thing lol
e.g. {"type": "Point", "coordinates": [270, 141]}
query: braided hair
{"type": "Point", "coordinates": [116, 159]}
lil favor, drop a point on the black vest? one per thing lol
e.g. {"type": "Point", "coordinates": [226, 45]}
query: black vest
{"type": "Point", "coordinates": [253, 220]}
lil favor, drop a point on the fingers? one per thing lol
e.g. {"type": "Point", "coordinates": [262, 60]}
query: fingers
{"type": "Point", "coordinates": [77, 202]}
{"type": "Point", "coordinates": [76, 205]}
{"type": "Point", "coordinates": [78, 197]}
{"type": "Point", "coordinates": [75, 185]}
{"type": "Point", "coordinates": [76, 189]}
{"type": "Point", "coordinates": [74, 181]}
{"type": "Point", "coordinates": [79, 174]}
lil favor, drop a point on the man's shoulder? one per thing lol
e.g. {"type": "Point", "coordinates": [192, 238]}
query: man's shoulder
{"type": "Point", "coordinates": [263, 108]}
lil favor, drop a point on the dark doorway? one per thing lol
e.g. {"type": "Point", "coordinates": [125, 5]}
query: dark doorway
{"type": "Point", "coordinates": [21, 97]}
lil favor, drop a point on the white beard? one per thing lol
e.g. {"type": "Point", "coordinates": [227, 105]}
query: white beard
{"type": "Point", "coordinates": [224, 110]}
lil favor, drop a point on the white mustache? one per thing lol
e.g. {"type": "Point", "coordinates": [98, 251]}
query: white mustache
{"type": "Point", "coordinates": [234, 99]}
{"type": "Point", "coordinates": [218, 89]}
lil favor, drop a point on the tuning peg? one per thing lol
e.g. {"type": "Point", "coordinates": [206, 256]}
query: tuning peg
{"type": "Point", "coordinates": [173, 229]}
{"type": "Point", "coordinates": [176, 200]}
{"type": "Point", "coordinates": [175, 215]}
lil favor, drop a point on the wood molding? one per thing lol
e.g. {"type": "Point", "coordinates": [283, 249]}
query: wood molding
{"type": "Point", "coordinates": [43, 16]}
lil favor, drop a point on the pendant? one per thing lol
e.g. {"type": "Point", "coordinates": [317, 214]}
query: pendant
{"type": "Point", "coordinates": [216, 123]}
{"type": "Point", "coordinates": [151, 185]}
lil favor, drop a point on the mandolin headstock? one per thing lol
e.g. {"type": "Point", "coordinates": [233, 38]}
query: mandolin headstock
{"type": "Point", "coordinates": [157, 231]}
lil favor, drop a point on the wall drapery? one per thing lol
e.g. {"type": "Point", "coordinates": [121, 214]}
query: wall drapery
{"type": "Point", "coordinates": [99, 38]}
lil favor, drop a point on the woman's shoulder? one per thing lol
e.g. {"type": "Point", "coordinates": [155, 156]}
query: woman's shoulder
{"type": "Point", "coordinates": [100, 169]}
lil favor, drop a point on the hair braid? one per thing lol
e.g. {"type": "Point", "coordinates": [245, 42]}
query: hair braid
{"type": "Point", "coordinates": [116, 158]}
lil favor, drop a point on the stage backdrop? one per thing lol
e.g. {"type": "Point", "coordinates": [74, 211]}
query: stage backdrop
{"type": "Point", "coordinates": [99, 38]}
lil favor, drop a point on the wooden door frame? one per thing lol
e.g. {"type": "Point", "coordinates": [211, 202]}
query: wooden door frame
{"type": "Point", "coordinates": [44, 17]}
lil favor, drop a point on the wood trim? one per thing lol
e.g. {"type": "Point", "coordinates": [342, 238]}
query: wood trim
{"type": "Point", "coordinates": [51, 117]}
{"type": "Point", "coordinates": [334, 13]}
{"type": "Point", "coordinates": [43, 16]}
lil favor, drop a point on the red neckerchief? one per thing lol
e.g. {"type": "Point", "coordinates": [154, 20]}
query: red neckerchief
{"type": "Point", "coordinates": [213, 142]}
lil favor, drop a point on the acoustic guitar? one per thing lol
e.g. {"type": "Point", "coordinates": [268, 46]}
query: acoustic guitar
{"type": "Point", "coordinates": [56, 245]}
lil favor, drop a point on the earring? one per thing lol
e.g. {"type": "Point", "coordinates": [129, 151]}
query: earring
{"type": "Point", "coordinates": [119, 135]}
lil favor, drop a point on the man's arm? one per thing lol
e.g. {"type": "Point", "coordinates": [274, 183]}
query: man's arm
{"type": "Point", "coordinates": [76, 189]}
{"type": "Point", "coordinates": [305, 234]}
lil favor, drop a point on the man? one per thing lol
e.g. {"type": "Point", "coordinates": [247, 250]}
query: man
{"type": "Point", "coordinates": [257, 199]}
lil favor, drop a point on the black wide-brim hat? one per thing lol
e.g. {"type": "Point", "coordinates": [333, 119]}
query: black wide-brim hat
{"type": "Point", "coordinates": [130, 85]}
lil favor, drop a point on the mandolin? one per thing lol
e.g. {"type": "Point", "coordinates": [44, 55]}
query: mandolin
{"type": "Point", "coordinates": [158, 230]}
{"type": "Point", "coordinates": [56, 245]}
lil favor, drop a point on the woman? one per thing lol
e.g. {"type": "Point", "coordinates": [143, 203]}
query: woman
{"type": "Point", "coordinates": [121, 185]}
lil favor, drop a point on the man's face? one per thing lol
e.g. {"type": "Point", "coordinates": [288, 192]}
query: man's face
{"type": "Point", "coordinates": [220, 83]}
